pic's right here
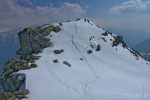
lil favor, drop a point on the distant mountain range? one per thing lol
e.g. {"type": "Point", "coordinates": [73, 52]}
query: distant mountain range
{"type": "Point", "coordinates": [144, 49]}
{"type": "Point", "coordinates": [8, 45]}
{"type": "Point", "coordinates": [143, 46]}
{"type": "Point", "coordinates": [146, 56]}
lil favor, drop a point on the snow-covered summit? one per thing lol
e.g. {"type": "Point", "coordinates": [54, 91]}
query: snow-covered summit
{"type": "Point", "coordinates": [88, 63]}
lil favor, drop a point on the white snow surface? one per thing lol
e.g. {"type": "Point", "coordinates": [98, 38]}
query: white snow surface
{"type": "Point", "coordinates": [112, 73]}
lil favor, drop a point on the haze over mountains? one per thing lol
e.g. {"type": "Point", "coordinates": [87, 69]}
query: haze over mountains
{"type": "Point", "coordinates": [143, 46]}
{"type": "Point", "coordinates": [144, 49]}
{"type": "Point", "coordinates": [9, 43]}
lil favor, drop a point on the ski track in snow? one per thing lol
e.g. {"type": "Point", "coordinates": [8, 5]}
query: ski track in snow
{"type": "Point", "coordinates": [52, 73]}
{"type": "Point", "coordinates": [90, 66]}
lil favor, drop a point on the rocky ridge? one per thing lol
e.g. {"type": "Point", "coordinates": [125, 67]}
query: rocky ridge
{"type": "Point", "coordinates": [32, 41]}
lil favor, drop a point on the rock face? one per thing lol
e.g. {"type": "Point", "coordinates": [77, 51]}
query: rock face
{"type": "Point", "coordinates": [14, 82]}
{"type": "Point", "coordinates": [14, 96]}
{"type": "Point", "coordinates": [34, 40]}
{"type": "Point", "coordinates": [118, 40]}
{"type": "Point", "coordinates": [14, 65]}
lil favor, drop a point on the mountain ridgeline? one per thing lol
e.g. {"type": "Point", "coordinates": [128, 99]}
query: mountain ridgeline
{"type": "Point", "coordinates": [32, 41]}
{"type": "Point", "coordinates": [75, 58]}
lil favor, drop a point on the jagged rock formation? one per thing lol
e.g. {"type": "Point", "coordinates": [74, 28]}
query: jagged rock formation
{"type": "Point", "coordinates": [14, 82]}
{"type": "Point", "coordinates": [119, 40]}
{"type": "Point", "coordinates": [17, 95]}
{"type": "Point", "coordinates": [32, 41]}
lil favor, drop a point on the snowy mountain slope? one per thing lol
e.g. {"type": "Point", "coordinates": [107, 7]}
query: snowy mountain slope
{"type": "Point", "coordinates": [110, 73]}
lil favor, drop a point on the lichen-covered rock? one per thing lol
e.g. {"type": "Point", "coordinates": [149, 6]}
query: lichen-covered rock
{"type": "Point", "coordinates": [32, 58]}
{"type": "Point", "coordinates": [21, 94]}
{"type": "Point", "coordinates": [10, 64]}
{"type": "Point", "coordinates": [22, 65]}
{"type": "Point", "coordinates": [33, 40]}
{"type": "Point", "coordinates": [6, 73]}
{"type": "Point", "coordinates": [7, 96]}
{"type": "Point", "coordinates": [25, 43]}
{"type": "Point", "coordinates": [14, 82]}
{"type": "Point", "coordinates": [14, 65]}
{"type": "Point", "coordinates": [17, 95]}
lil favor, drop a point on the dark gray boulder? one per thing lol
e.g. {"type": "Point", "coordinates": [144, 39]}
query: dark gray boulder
{"type": "Point", "coordinates": [14, 82]}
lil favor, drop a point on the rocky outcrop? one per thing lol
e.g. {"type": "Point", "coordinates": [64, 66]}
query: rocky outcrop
{"type": "Point", "coordinates": [33, 40]}
{"type": "Point", "coordinates": [14, 96]}
{"type": "Point", "coordinates": [118, 40]}
{"type": "Point", "coordinates": [13, 82]}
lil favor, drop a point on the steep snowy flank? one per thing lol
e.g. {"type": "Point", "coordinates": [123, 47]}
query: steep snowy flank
{"type": "Point", "coordinates": [88, 63]}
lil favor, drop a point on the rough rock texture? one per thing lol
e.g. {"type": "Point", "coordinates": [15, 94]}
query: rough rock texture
{"type": "Point", "coordinates": [31, 41]}
{"type": "Point", "coordinates": [17, 95]}
{"type": "Point", "coordinates": [34, 40]}
{"type": "Point", "coordinates": [14, 65]}
{"type": "Point", "coordinates": [118, 40]}
{"type": "Point", "coordinates": [14, 82]}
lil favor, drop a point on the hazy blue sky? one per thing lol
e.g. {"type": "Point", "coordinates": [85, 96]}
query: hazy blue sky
{"type": "Point", "coordinates": [130, 18]}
